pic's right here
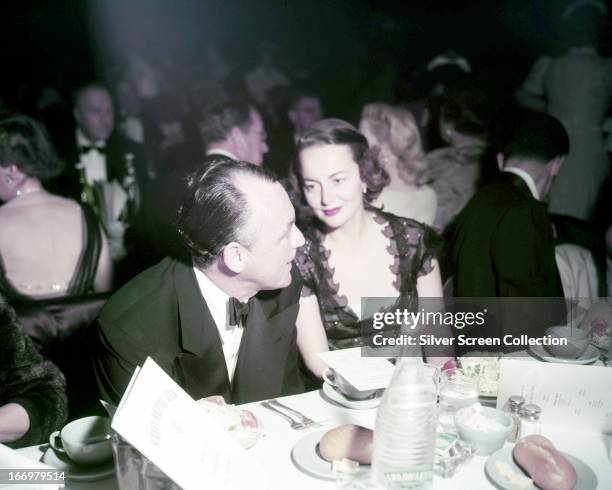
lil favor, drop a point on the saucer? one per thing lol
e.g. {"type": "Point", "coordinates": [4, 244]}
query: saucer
{"type": "Point", "coordinates": [585, 477]}
{"type": "Point", "coordinates": [78, 472]}
{"type": "Point", "coordinates": [333, 394]}
{"type": "Point", "coordinates": [590, 355]}
{"type": "Point", "coordinates": [305, 456]}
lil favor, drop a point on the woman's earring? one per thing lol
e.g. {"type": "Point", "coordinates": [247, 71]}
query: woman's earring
{"type": "Point", "coordinates": [364, 189]}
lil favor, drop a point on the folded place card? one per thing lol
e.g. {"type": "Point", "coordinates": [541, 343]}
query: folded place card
{"type": "Point", "coordinates": [570, 395]}
{"type": "Point", "coordinates": [364, 373]}
{"type": "Point", "coordinates": [168, 427]}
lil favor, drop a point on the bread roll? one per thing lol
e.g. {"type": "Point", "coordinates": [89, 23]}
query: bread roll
{"type": "Point", "coordinates": [546, 466]}
{"type": "Point", "coordinates": [347, 441]}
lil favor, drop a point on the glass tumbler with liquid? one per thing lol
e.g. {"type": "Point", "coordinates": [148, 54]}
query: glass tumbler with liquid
{"type": "Point", "coordinates": [456, 391]}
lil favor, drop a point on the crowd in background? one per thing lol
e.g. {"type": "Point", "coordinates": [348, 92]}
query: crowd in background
{"type": "Point", "coordinates": [91, 180]}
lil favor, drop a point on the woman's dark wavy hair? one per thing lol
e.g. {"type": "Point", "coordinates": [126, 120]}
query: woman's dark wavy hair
{"type": "Point", "coordinates": [339, 132]}
{"type": "Point", "coordinates": [25, 143]}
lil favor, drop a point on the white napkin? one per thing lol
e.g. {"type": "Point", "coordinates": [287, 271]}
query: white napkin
{"type": "Point", "coordinates": [9, 458]}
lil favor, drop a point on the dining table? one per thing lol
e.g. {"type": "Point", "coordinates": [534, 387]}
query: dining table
{"type": "Point", "coordinates": [274, 449]}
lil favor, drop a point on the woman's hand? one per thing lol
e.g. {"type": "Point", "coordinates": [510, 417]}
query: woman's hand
{"type": "Point", "coordinates": [14, 422]}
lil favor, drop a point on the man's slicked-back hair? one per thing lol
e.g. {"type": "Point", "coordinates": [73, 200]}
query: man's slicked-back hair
{"type": "Point", "coordinates": [535, 136]}
{"type": "Point", "coordinates": [218, 120]}
{"type": "Point", "coordinates": [215, 211]}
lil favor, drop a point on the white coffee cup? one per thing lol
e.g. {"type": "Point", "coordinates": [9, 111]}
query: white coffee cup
{"type": "Point", "coordinates": [85, 441]}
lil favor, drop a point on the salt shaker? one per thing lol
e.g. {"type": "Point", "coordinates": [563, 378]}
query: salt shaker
{"type": "Point", "coordinates": [513, 407]}
{"type": "Point", "coordinates": [530, 420]}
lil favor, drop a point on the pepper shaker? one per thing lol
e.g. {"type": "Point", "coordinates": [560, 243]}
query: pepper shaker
{"type": "Point", "coordinates": [512, 407]}
{"type": "Point", "coordinates": [530, 420]}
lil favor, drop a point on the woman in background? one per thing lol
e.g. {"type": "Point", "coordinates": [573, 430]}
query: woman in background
{"type": "Point", "coordinates": [353, 250]}
{"type": "Point", "coordinates": [394, 132]}
{"type": "Point", "coordinates": [49, 245]}
{"type": "Point", "coordinates": [576, 88]}
{"type": "Point", "coordinates": [455, 169]}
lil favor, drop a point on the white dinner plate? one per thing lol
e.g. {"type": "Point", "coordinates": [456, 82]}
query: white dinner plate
{"type": "Point", "coordinates": [305, 456]}
{"type": "Point", "coordinates": [333, 394]}
{"type": "Point", "coordinates": [585, 477]}
{"type": "Point", "coordinates": [591, 354]}
{"type": "Point", "coordinates": [77, 472]}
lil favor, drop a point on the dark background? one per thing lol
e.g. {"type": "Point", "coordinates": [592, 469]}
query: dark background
{"type": "Point", "coordinates": [64, 43]}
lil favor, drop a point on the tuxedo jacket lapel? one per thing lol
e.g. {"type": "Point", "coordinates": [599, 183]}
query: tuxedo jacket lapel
{"type": "Point", "coordinates": [517, 183]}
{"type": "Point", "coordinates": [202, 363]}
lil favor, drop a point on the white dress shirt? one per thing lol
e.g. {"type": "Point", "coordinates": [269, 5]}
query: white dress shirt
{"type": "Point", "coordinates": [93, 162]}
{"type": "Point", "coordinates": [218, 304]}
{"type": "Point", "coordinates": [220, 151]}
{"type": "Point", "coordinates": [528, 179]}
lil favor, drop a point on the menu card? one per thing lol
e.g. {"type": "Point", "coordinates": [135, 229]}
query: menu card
{"type": "Point", "coordinates": [168, 427]}
{"type": "Point", "coordinates": [364, 373]}
{"type": "Point", "coordinates": [570, 395]}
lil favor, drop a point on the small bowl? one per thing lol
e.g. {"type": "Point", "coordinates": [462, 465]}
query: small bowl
{"type": "Point", "coordinates": [577, 342]}
{"type": "Point", "coordinates": [345, 388]}
{"type": "Point", "coordinates": [484, 442]}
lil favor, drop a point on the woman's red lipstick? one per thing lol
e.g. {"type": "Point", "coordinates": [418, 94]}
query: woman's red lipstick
{"type": "Point", "coordinates": [331, 212]}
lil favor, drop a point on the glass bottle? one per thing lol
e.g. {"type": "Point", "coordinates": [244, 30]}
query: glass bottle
{"type": "Point", "coordinates": [513, 407]}
{"type": "Point", "coordinates": [404, 437]}
{"type": "Point", "coordinates": [530, 420]}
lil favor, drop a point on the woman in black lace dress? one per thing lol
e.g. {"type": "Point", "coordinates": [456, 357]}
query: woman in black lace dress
{"type": "Point", "coordinates": [353, 250]}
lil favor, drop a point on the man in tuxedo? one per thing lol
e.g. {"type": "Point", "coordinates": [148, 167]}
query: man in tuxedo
{"type": "Point", "coordinates": [95, 152]}
{"type": "Point", "coordinates": [503, 244]}
{"type": "Point", "coordinates": [231, 129]}
{"type": "Point", "coordinates": [225, 323]}
{"type": "Point", "coordinates": [304, 108]}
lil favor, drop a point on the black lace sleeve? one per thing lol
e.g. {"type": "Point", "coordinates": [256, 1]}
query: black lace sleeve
{"type": "Point", "coordinates": [414, 246]}
{"type": "Point", "coordinates": [429, 249]}
{"type": "Point", "coordinates": [304, 263]}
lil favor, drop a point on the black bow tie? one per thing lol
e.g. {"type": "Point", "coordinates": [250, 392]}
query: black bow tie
{"type": "Point", "coordinates": [87, 148]}
{"type": "Point", "coordinates": [238, 312]}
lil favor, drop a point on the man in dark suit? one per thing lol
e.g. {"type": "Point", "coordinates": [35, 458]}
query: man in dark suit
{"type": "Point", "coordinates": [232, 129]}
{"type": "Point", "coordinates": [503, 243]}
{"type": "Point", "coordinates": [239, 226]}
{"type": "Point", "coordinates": [95, 152]}
{"type": "Point", "coordinates": [304, 108]}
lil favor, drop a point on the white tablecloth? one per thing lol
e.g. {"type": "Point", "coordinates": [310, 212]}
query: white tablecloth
{"type": "Point", "coordinates": [273, 451]}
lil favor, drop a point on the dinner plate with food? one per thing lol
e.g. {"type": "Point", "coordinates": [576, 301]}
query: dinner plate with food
{"type": "Point", "coordinates": [534, 463]}
{"type": "Point", "coordinates": [346, 449]}
{"type": "Point", "coordinates": [242, 425]}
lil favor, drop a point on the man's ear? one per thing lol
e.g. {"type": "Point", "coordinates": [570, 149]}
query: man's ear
{"type": "Point", "coordinates": [235, 257]}
{"type": "Point", "coordinates": [555, 165]}
{"type": "Point", "coordinates": [500, 161]}
{"type": "Point", "coordinates": [238, 141]}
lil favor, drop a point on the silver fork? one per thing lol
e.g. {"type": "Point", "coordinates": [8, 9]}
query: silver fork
{"type": "Point", "coordinates": [294, 425]}
{"type": "Point", "coordinates": [306, 421]}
